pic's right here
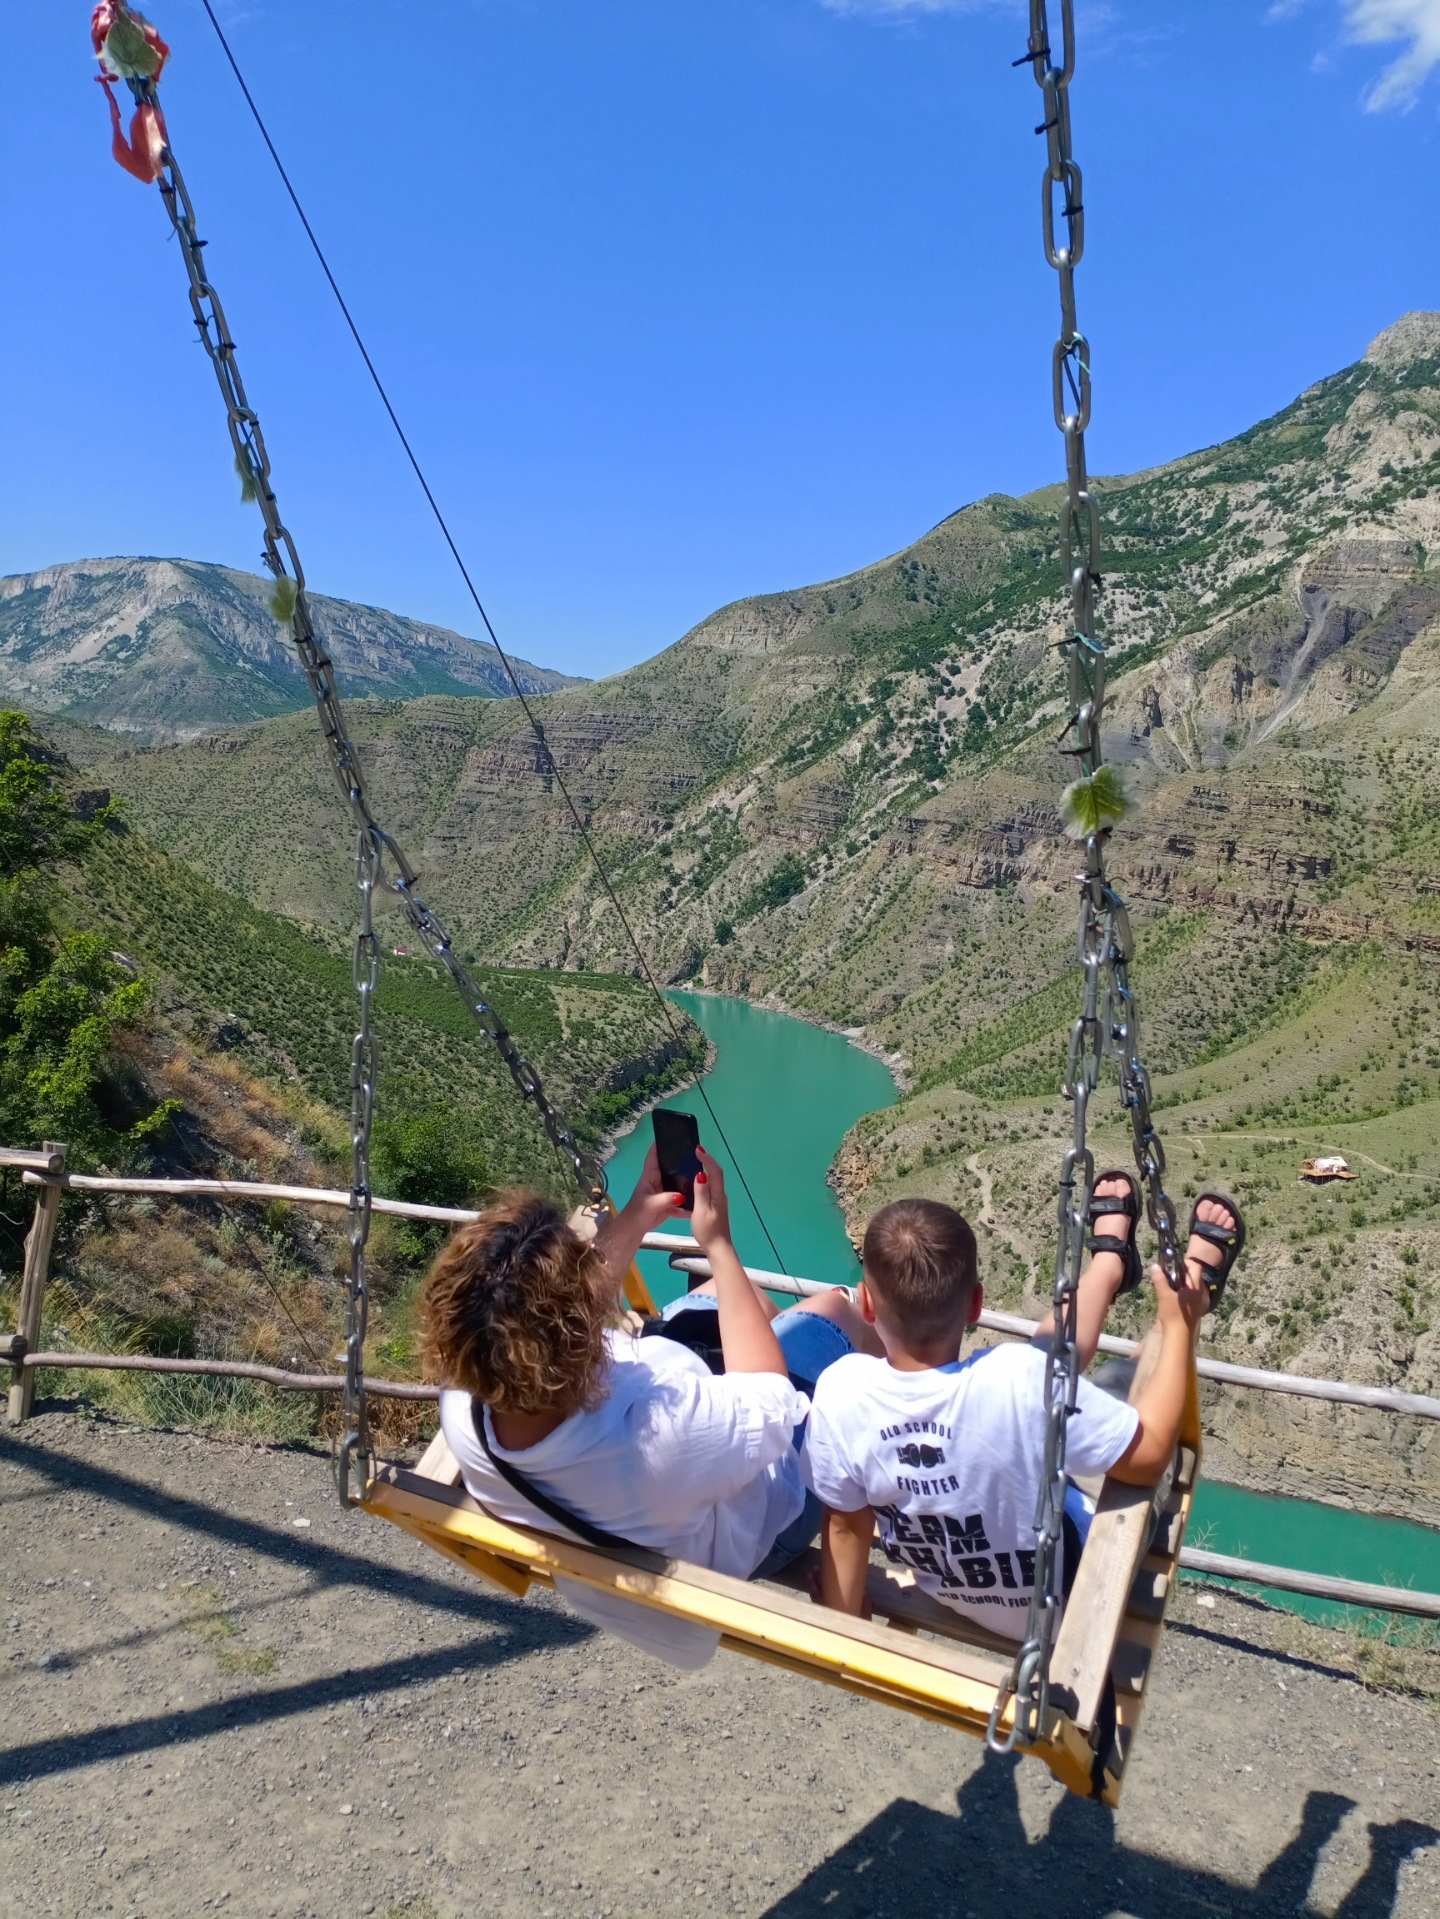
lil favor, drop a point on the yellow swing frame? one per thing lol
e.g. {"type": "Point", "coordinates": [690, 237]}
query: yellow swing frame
{"type": "Point", "coordinates": [924, 1659]}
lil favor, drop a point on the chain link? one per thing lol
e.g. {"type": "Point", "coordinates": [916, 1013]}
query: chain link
{"type": "Point", "coordinates": [374, 846]}
{"type": "Point", "coordinates": [1109, 1024]}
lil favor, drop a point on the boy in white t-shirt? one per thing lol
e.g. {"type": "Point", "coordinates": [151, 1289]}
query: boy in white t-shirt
{"type": "Point", "coordinates": [946, 1454]}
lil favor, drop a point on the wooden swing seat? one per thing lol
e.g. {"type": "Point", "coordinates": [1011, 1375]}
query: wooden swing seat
{"type": "Point", "coordinates": [924, 1659]}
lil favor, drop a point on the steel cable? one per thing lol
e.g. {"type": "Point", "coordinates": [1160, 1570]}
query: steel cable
{"type": "Point", "coordinates": [535, 726]}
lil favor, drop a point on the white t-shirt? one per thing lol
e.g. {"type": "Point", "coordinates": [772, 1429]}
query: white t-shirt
{"type": "Point", "coordinates": [693, 1464]}
{"type": "Point", "coordinates": [950, 1460]}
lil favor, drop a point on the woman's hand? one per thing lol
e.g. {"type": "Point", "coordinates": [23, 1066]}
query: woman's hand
{"type": "Point", "coordinates": [650, 1205]}
{"type": "Point", "coordinates": [710, 1221]}
{"type": "Point", "coordinates": [746, 1338]}
{"type": "Point", "coordinates": [649, 1209]}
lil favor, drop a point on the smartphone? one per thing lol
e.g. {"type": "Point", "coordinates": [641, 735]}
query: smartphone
{"type": "Point", "coordinates": [676, 1137]}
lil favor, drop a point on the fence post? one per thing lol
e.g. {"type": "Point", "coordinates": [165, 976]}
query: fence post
{"type": "Point", "coordinates": [38, 1242]}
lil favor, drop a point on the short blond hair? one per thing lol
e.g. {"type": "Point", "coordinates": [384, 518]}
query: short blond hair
{"type": "Point", "coordinates": [920, 1259]}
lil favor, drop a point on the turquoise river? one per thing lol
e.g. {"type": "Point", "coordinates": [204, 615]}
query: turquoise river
{"type": "Point", "coordinates": [785, 1093]}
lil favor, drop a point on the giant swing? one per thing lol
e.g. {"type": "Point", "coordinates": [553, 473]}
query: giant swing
{"type": "Point", "coordinates": [1073, 1693]}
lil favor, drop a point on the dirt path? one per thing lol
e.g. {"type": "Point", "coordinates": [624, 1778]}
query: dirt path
{"type": "Point", "coordinates": [223, 1693]}
{"type": "Point", "coordinates": [985, 1213]}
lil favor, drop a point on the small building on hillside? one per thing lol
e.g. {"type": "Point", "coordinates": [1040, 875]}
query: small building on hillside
{"type": "Point", "coordinates": [1327, 1166]}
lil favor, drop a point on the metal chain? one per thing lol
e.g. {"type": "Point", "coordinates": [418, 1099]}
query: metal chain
{"type": "Point", "coordinates": [373, 844]}
{"type": "Point", "coordinates": [1109, 1025]}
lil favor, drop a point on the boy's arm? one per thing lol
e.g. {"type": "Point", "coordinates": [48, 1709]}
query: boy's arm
{"type": "Point", "coordinates": [1161, 1404]}
{"type": "Point", "coordinates": [845, 1559]}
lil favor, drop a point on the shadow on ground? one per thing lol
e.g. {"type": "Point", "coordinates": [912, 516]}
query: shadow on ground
{"type": "Point", "coordinates": [978, 1863]}
{"type": "Point", "coordinates": [489, 1631]}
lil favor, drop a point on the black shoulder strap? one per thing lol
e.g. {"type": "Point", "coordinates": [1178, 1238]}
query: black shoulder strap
{"type": "Point", "coordinates": [527, 1489]}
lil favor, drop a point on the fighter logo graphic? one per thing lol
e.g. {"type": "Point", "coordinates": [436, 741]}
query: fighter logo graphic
{"type": "Point", "coordinates": [913, 1455]}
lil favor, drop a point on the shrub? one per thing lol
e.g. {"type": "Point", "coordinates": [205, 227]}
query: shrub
{"type": "Point", "coordinates": [781, 883]}
{"type": "Point", "coordinates": [63, 997]}
{"type": "Point", "coordinates": [429, 1155]}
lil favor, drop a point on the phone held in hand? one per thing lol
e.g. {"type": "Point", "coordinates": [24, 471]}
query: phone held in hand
{"type": "Point", "coordinates": [676, 1137]}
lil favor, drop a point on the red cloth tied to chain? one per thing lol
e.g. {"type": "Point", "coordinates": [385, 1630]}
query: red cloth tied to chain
{"type": "Point", "coordinates": [129, 48]}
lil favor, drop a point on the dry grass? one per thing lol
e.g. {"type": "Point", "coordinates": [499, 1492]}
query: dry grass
{"type": "Point", "coordinates": [196, 1277]}
{"type": "Point", "coordinates": [1386, 1653]}
{"type": "Point", "coordinates": [241, 1119]}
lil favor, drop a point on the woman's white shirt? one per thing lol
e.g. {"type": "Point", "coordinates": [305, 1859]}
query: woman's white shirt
{"type": "Point", "coordinates": [695, 1465]}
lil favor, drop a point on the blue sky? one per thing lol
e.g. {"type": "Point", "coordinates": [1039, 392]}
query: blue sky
{"type": "Point", "coordinates": [682, 299]}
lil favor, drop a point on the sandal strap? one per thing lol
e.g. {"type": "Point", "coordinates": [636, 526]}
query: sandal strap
{"type": "Point", "coordinates": [1108, 1243]}
{"type": "Point", "coordinates": [1132, 1267]}
{"type": "Point", "coordinates": [1210, 1229]}
{"type": "Point", "coordinates": [1229, 1239]}
{"type": "Point", "coordinates": [1127, 1202]}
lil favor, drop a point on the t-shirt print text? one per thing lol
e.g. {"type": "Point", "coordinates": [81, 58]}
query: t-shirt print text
{"type": "Point", "coordinates": [928, 1427]}
{"type": "Point", "coordinates": [957, 1553]}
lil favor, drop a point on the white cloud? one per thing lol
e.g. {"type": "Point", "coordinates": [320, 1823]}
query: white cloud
{"type": "Point", "coordinates": [1377, 23]}
{"type": "Point", "coordinates": [1367, 22]}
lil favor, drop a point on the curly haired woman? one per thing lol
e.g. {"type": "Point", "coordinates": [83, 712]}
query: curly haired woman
{"type": "Point", "coordinates": [556, 1415]}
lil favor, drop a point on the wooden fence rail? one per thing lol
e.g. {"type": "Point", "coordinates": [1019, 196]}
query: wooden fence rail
{"type": "Point", "coordinates": [685, 1257]}
{"type": "Point", "coordinates": [45, 1170]}
{"type": "Point", "coordinates": [247, 1189]}
{"type": "Point", "coordinates": [278, 1376]}
{"type": "Point", "coordinates": [1351, 1592]}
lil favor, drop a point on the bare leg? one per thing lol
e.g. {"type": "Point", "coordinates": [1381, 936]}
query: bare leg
{"type": "Point", "coordinates": [1102, 1275]}
{"type": "Point", "coordinates": [837, 1305]}
{"type": "Point", "coordinates": [1097, 1283]}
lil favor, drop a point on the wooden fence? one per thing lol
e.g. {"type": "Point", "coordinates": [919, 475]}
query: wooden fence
{"type": "Point", "coordinates": [45, 1171]}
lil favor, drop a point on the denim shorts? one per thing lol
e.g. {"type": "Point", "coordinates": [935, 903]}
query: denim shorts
{"type": "Point", "coordinates": [810, 1343]}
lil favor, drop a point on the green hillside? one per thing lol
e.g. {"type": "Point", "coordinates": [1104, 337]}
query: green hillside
{"type": "Point", "coordinates": [241, 980]}
{"type": "Point", "coordinates": [844, 797]}
{"type": "Point", "coordinates": [163, 1027]}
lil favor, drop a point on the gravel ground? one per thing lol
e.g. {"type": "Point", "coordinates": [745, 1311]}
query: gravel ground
{"type": "Point", "coordinates": [223, 1692]}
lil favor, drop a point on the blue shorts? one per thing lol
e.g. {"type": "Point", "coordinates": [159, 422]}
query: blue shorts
{"type": "Point", "coordinates": [810, 1343]}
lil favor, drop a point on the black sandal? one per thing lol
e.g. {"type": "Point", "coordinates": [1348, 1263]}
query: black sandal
{"type": "Point", "coordinates": [1230, 1240]}
{"type": "Point", "coordinates": [1128, 1203]}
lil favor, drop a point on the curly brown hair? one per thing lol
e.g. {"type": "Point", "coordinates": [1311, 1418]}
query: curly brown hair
{"type": "Point", "coordinates": [515, 1310]}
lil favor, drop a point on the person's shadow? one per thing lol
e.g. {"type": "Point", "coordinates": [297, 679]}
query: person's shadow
{"type": "Point", "coordinates": [979, 1863]}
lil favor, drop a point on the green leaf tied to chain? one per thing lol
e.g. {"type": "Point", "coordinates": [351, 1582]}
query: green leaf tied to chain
{"type": "Point", "coordinates": [282, 600]}
{"type": "Point", "coordinates": [248, 491]}
{"type": "Point", "coordinates": [128, 54]}
{"type": "Point", "coordinates": [1095, 804]}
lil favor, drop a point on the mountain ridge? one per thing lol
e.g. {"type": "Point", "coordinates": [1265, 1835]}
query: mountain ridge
{"type": "Point", "coordinates": [1263, 588]}
{"type": "Point", "coordinates": [167, 649]}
